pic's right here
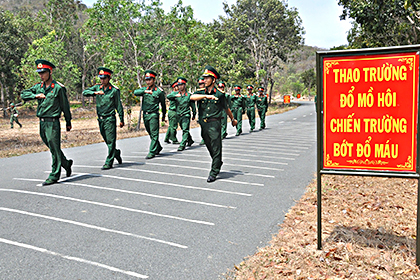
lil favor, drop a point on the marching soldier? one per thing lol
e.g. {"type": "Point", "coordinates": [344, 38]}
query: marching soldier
{"type": "Point", "coordinates": [201, 86]}
{"type": "Point", "coordinates": [14, 115]}
{"type": "Point", "coordinates": [152, 96]}
{"type": "Point", "coordinates": [52, 100]}
{"type": "Point", "coordinates": [173, 119]}
{"type": "Point", "coordinates": [211, 103]}
{"type": "Point", "coordinates": [238, 106]}
{"type": "Point", "coordinates": [250, 101]}
{"type": "Point", "coordinates": [262, 105]}
{"type": "Point", "coordinates": [108, 99]}
{"type": "Point", "coordinates": [221, 86]}
{"type": "Point", "coordinates": [184, 105]}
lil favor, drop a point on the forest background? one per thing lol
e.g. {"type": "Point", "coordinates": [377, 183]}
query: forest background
{"type": "Point", "coordinates": [255, 42]}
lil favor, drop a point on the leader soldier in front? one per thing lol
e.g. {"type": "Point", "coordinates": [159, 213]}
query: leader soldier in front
{"type": "Point", "coordinates": [108, 99]}
{"type": "Point", "coordinates": [152, 96]}
{"type": "Point", "coordinates": [52, 100]}
{"type": "Point", "coordinates": [211, 103]}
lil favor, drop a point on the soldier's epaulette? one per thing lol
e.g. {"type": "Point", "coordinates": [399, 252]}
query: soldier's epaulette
{"type": "Point", "coordinates": [161, 89]}
{"type": "Point", "coordinates": [222, 91]}
{"type": "Point", "coordinates": [116, 87]}
{"type": "Point", "coordinates": [60, 84]}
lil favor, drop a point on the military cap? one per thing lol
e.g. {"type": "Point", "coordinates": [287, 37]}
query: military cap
{"type": "Point", "coordinates": [148, 74]}
{"type": "Point", "coordinates": [249, 87]}
{"type": "Point", "coordinates": [210, 72]}
{"type": "Point", "coordinates": [103, 72]}
{"type": "Point", "coordinates": [221, 84]}
{"type": "Point", "coordinates": [260, 89]}
{"type": "Point", "coordinates": [174, 84]}
{"type": "Point", "coordinates": [43, 65]}
{"type": "Point", "coordinates": [237, 87]}
{"type": "Point", "coordinates": [181, 80]}
{"type": "Point", "coordinates": [200, 80]}
{"type": "Point", "coordinates": [12, 104]}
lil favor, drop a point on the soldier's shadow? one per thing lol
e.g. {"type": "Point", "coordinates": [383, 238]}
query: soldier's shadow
{"type": "Point", "coordinates": [375, 238]}
{"type": "Point", "coordinates": [229, 174]}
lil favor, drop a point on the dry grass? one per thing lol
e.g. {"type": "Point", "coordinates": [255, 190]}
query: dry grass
{"type": "Point", "coordinates": [19, 141]}
{"type": "Point", "coordinates": [368, 232]}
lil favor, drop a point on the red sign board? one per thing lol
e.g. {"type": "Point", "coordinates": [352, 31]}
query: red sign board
{"type": "Point", "coordinates": [370, 108]}
{"type": "Point", "coordinates": [286, 99]}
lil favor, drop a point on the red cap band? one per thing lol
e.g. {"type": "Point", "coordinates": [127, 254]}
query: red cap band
{"type": "Point", "coordinates": [102, 72]}
{"type": "Point", "coordinates": [40, 66]}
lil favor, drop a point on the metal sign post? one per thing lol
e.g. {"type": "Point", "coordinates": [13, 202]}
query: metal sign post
{"type": "Point", "coordinates": [368, 116]}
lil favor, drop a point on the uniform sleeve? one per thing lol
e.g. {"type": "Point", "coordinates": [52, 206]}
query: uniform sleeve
{"type": "Point", "coordinates": [65, 105]}
{"type": "Point", "coordinates": [118, 104]}
{"type": "Point", "coordinates": [90, 91]}
{"type": "Point", "coordinates": [171, 96]}
{"type": "Point", "coordinates": [162, 103]}
{"type": "Point", "coordinates": [29, 94]}
{"type": "Point", "coordinates": [223, 101]}
{"type": "Point", "coordinates": [266, 101]}
{"type": "Point", "coordinates": [140, 91]}
{"type": "Point", "coordinates": [193, 107]}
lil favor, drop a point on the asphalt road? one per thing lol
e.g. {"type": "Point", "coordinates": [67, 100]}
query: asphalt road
{"type": "Point", "coordinates": [156, 219]}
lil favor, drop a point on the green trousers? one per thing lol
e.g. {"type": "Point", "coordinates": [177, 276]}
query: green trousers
{"type": "Point", "coordinates": [261, 113]}
{"type": "Point", "coordinates": [250, 112]}
{"type": "Point", "coordinates": [14, 119]}
{"type": "Point", "coordinates": [50, 133]}
{"type": "Point", "coordinates": [224, 125]}
{"type": "Point", "coordinates": [151, 122]}
{"type": "Point", "coordinates": [173, 125]}
{"type": "Point", "coordinates": [237, 114]}
{"type": "Point", "coordinates": [212, 136]}
{"type": "Point", "coordinates": [108, 129]}
{"type": "Point", "coordinates": [184, 123]}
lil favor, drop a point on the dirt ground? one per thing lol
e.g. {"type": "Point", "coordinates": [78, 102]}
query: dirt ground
{"type": "Point", "coordinates": [85, 130]}
{"type": "Point", "coordinates": [368, 232]}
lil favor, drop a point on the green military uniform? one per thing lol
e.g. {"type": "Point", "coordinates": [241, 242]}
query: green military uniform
{"type": "Point", "coordinates": [14, 115]}
{"type": "Point", "coordinates": [262, 105]}
{"type": "Point", "coordinates": [221, 85]}
{"type": "Point", "coordinates": [237, 105]}
{"type": "Point", "coordinates": [250, 101]}
{"type": "Point", "coordinates": [173, 121]}
{"type": "Point", "coordinates": [201, 85]}
{"type": "Point", "coordinates": [49, 112]}
{"type": "Point", "coordinates": [183, 109]}
{"type": "Point", "coordinates": [106, 104]}
{"type": "Point", "coordinates": [210, 117]}
{"type": "Point", "coordinates": [150, 106]}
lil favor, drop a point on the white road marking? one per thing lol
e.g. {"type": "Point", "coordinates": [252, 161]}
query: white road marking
{"type": "Point", "coordinates": [206, 169]}
{"type": "Point", "coordinates": [92, 226]}
{"type": "Point", "coordinates": [45, 251]}
{"type": "Point", "coordinates": [109, 206]}
{"type": "Point", "coordinates": [244, 159]}
{"type": "Point", "coordinates": [272, 150]}
{"type": "Point", "coordinates": [174, 174]}
{"type": "Point", "coordinates": [237, 165]}
{"type": "Point", "coordinates": [273, 146]}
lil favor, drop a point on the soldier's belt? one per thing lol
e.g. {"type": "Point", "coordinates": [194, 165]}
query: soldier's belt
{"type": "Point", "coordinates": [211, 119]}
{"type": "Point", "coordinates": [49, 119]}
{"type": "Point", "coordinates": [148, 113]}
{"type": "Point", "coordinates": [105, 117]}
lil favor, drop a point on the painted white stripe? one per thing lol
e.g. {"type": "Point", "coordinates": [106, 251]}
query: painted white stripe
{"type": "Point", "coordinates": [264, 148]}
{"type": "Point", "coordinates": [261, 152]}
{"type": "Point", "coordinates": [237, 165]}
{"type": "Point", "coordinates": [110, 206]}
{"type": "Point", "coordinates": [150, 195]}
{"type": "Point", "coordinates": [256, 145]}
{"type": "Point", "coordinates": [45, 251]}
{"type": "Point", "coordinates": [92, 227]}
{"type": "Point", "coordinates": [243, 159]}
{"type": "Point", "coordinates": [175, 174]}
{"type": "Point", "coordinates": [205, 169]}
{"type": "Point", "coordinates": [276, 140]}
{"type": "Point", "coordinates": [166, 184]}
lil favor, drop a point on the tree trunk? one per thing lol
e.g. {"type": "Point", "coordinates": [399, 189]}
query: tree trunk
{"type": "Point", "coordinates": [271, 91]}
{"type": "Point", "coordinates": [2, 99]}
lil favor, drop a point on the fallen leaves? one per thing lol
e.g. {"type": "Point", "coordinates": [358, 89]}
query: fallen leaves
{"type": "Point", "coordinates": [377, 241]}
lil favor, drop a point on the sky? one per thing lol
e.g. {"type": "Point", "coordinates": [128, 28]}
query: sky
{"type": "Point", "coordinates": [320, 18]}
